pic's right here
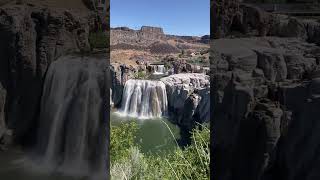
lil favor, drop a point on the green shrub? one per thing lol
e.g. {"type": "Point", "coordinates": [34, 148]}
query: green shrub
{"type": "Point", "coordinates": [121, 140]}
{"type": "Point", "coordinates": [140, 75]}
{"type": "Point", "coordinates": [129, 163]}
{"type": "Point", "coordinates": [197, 60]}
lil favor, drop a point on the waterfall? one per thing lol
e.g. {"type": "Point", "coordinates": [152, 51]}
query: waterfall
{"type": "Point", "coordinates": [159, 70]}
{"type": "Point", "coordinates": [144, 99]}
{"type": "Point", "coordinates": [72, 135]}
{"type": "Point", "coordinates": [111, 101]}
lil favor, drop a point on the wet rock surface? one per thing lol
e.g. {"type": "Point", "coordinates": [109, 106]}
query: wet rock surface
{"type": "Point", "coordinates": [31, 39]}
{"type": "Point", "coordinates": [51, 102]}
{"type": "Point", "coordinates": [72, 132]}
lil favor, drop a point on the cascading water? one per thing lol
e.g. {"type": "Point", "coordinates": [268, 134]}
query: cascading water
{"type": "Point", "coordinates": [111, 101]}
{"type": "Point", "coordinates": [159, 70]}
{"type": "Point", "coordinates": [144, 99]}
{"type": "Point", "coordinates": [72, 136]}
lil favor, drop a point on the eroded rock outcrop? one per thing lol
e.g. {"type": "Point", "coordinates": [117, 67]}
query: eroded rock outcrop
{"type": "Point", "coordinates": [265, 97]}
{"type": "Point", "coordinates": [188, 98]}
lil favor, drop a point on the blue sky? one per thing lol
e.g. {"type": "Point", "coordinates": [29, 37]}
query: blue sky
{"type": "Point", "coordinates": [178, 17]}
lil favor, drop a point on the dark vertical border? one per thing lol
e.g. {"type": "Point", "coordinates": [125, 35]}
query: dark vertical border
{"type": "Point", "coordinates": [107, 110]}
{"type": "Point", "coordinates": [212, 171]}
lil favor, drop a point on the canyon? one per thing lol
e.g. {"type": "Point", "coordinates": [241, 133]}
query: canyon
{"type": "Point", "coordinates": [264, 74]}
{"type": "Point", "coordinates": [170, 85]}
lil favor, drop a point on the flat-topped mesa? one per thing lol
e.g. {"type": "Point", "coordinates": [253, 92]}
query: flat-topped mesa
{"type": "Point", "coordinates": [143, 37]}
{"type": "Point", "coordinates": [150, 29]}
{"type": "Point", "coordinates": [148, 33]}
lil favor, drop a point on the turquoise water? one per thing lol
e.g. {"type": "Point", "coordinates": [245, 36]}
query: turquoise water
{"type": "Point", "coordinates": [155, 136]}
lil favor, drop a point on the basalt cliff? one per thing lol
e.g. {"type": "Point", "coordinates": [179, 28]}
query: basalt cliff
{"type": "Point", "coordinates": [46, 68]}
{"type": "Point", "coordinates": [265, 95]}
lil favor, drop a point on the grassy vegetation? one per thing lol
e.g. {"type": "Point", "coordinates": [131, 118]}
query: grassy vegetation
{"type": "Point", "coordinates": [201, 60]}
{"type": "Point", "coordinates": [140, 75]}
{"type": "Point", "coordinates": [128, 163]}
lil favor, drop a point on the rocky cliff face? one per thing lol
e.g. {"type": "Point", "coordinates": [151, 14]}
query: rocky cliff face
{"type": "Point", "coordinates": [188, 95]}
{"type": "Point", "coordinates": [232, 16]}
{"type": "Point", "coordinates": [265, 96]}
{"type": "Point", "coordinates": [222, 16]}
{"type": "Point", "coordinates": [32, 38]}
{"type": "Point", "coordinates": [188, 98]}
{"type": "Point", "coordinates": [143, 37]}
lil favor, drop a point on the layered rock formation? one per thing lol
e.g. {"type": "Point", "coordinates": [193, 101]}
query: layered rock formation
{"type": "Point", "coordinates": [265, 96]}
{"type": "Point", "coordinates": [188, 98]}
{"type": "Point", "coordinates": [31, 39]}
{"type": "Point", "coordinates": [143, 37]}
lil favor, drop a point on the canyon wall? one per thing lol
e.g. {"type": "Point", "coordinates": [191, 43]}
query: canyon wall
{"type": "Point", "coordinates": [265, 120]}
{"type": "Point", "coordinates": [31, 39]}
{"type": "Point", "coordinates": [264, 94]}
{"type": "Point", "coordinates": [188, 99]}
